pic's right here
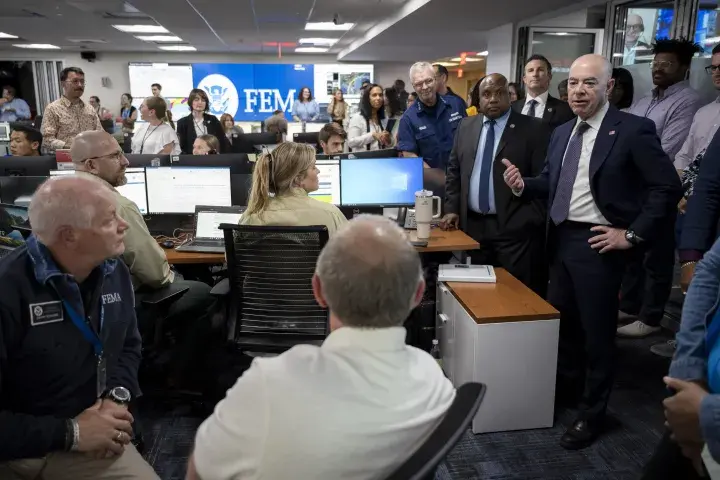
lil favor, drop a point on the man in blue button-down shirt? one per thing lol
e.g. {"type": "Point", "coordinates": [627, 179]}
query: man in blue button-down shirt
{"type": "Point", "coordinates": [12, 108]}
{"type": "Point", "coordinates": [510, 230]}
{"type": "Point", "coordinates": [693, 411]}
{"type": "Point", "coordinates": [428, 127]}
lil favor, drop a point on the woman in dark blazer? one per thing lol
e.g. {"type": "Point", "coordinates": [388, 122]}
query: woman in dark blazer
{"type": "Point", "coordinates": [200, 123]}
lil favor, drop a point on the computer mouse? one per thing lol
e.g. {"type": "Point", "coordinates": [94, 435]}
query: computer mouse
{"type": "Point", "coordinates": [168, 244]}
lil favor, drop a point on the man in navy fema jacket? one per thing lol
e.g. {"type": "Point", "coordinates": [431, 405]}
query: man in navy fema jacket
{"type": "Point", "coordinates": [427, 129]}
{"type": "Point", "coordinates": [69, 343]}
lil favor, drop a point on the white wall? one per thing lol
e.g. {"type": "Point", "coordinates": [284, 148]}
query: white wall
{"type": "Point", "coordinates": [572, 20]}
{"type": "Point", "coordinates": [501, 50]}
{"type": "Point", "coordinates": [115, 67]}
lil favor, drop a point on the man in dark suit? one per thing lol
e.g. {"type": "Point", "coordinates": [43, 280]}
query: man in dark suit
{"type": "Point", "coordinates": [538, 102]}
{"type": "Point", "coordinates": [610, 186]}
{"type": "Point", "coordinates": [511, 230]}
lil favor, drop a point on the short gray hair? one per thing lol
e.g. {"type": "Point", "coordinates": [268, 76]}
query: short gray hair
{"type": "Point", "coordinates": [419, 67]}
{"type": "Point", "coordinates": [370, 273]}
{"type": "Point", "coordinates": [63, 201]}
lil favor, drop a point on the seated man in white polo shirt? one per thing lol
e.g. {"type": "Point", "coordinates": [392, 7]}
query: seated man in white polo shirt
{"type": "Point", "coordinates": [354, 408]}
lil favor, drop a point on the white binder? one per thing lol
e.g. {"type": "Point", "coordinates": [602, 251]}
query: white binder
{"type": "Point", "coordinates": [467, 273]}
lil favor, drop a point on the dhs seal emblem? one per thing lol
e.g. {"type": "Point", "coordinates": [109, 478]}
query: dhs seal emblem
{"type": "Point", "coordinates": [222, 94]}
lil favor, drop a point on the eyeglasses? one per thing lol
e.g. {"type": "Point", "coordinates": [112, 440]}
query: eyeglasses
{"type": "Point", "coordinates": [79, 83]}
{"type": "Point", "coordinates": [112, 156]}
{"type": "Point", "coordinates": [635, 28]}
{"type": "Point", "coordinates": [663, 64]}
{"type": "Point", "coordinates": [427, 83]}
{"type": "Point", "coordinates": [710, 69]}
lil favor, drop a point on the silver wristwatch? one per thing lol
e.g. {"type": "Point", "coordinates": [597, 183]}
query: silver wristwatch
{"type": "Point", "coordinates": [119, 395]}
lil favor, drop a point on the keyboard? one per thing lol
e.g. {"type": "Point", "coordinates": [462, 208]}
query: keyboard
{"type": "Point", "coordinates": [203, 246]}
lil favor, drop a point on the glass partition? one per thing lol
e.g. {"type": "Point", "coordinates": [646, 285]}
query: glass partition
{"type": "Point", "coordinates": [638, 25]}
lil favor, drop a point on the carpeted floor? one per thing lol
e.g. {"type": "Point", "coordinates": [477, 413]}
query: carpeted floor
{"type": "Point", "coordinates": [635, 408]}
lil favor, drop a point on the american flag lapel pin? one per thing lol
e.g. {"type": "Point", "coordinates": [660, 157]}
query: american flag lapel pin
{"type": "Point", "coordinates": [612, 132]}
{"type": "Point", "coordinates": [512, 125]}
{"type": "Point", "coordinates": [550, 109]}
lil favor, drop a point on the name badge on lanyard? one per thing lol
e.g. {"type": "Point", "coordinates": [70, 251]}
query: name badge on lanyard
{"type": "Point", "coordinates": [93, 337]}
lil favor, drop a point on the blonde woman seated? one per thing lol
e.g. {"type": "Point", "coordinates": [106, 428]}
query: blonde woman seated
{"type": "Point", "coordinates": [280, 186]}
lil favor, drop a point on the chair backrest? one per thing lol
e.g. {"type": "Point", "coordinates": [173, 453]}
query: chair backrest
{"type": "Point", "coordinates": [5, 250]}
{"type": "Point", "coordinates": [422, 464]}
{"type": "Point", "coordinates": [270, 269]}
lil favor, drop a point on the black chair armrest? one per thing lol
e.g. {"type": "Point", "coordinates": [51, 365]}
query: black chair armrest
{"type": "Point", "coordinates": [164, 296]}
{"type": "Point", "coordinates": [221, 288]}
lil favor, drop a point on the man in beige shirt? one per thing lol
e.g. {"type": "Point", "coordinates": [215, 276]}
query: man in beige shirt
{"type": "Point", "coordinates": [66, 117]}
{"type": "Point", "coordinates": [98, 153]}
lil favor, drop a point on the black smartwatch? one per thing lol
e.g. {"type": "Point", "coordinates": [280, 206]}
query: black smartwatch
{"type": "Point", "coordinates": [119, 395]}
{"type": "Point", "coordinates": [632, 238]}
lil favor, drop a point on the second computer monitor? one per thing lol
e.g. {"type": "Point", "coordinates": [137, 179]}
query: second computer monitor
{"type": "Point", "coordinates": [180, 189]}
{"type": "Point", "coordinates": [380, 182]}
{"type": "Point", "coordinates": [328, 182]}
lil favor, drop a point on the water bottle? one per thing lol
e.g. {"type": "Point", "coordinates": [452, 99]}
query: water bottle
{"type": "Point", "coordinates": [435, 352]}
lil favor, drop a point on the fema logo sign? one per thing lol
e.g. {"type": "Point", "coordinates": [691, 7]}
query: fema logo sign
{"type": "Point", "coordinates": [222, 94]}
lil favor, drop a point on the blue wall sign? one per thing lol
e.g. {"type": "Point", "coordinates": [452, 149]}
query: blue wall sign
{"type": "Point", "coordinates": [251, 92]}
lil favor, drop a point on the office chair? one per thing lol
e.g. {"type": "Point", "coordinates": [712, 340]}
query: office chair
{"type": "Point", "coordinates": [271, 306]}
{"type": "Point", "coordinates": [422, 464]}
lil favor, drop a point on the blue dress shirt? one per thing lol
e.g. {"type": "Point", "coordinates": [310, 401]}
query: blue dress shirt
{"type": "Point", "coordinates": [22, 110]}
{"type": "Point", "coordinates": [474, 193]}
{"type": "Point", "coordinates": [307, 111]}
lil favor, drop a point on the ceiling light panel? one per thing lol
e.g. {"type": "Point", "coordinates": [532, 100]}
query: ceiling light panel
{"type": "Point", "coordinates": [38, 46]}
{"type": "Point", "coordinates": [141, 28]}
{"type": "Point", "coordinates": [178, 48]}
{"type": "Point", "coordinates": [7, 35]}
{"type": "Point", "coordinates": [329, 26]}
{"type": "Point", "coordinates": [328, 42]}
{"type": "Point", "coordinates": [159, 38]}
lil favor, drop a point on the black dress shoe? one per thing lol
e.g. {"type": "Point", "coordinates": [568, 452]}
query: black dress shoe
{"type": "Point", "coordinates": [581, 435]}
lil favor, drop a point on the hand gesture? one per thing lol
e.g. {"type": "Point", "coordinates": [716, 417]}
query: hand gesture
{"type": "Point", "coordinates": [449, 221]}
{"type": "Point", "coordinates": [682, 411]}
{"type": "Point", "coordinates": [609, 239]}
{"type": "Point", "coordinates": [386, 139]}
{"type": "Point", "coordinates": [512, 176]}
{"type": "Point", "coordinates": [103, 431]}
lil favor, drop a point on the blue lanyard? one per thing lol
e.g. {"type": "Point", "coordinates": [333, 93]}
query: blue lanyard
{"type": "Point", "coordinates": [85, 329]}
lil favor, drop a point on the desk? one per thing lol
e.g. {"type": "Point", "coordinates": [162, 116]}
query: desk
{"type": "Point", "coordinates": [440, 241]}
{"type": "Point", "coordinates": [504, 335]}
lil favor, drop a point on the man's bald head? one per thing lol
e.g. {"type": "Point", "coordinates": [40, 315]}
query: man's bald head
{"type": "Point", "coordinates": [98, 152]}
{"type": "Point", "coordinates": [66, 201]}
{"type": "Point", "coordinates": [589, 84]}
{"type": "Point", "coordinates": [494, 96]}
{"type": "Point", "coordinates": [369, 274]}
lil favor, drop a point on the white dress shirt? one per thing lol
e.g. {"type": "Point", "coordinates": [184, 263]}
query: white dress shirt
{"type": "Point", "coordinates": [582, 204]}
{"type": "Point", "coordinates": [151, 139]}
{"type": "Point", "coordinates": [541, 103]}
{"type": "Point", "coordinates": [354, 408]}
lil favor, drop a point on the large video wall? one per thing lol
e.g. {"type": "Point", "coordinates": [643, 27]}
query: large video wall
{"type": "Point", "coordinates": [248, 92]}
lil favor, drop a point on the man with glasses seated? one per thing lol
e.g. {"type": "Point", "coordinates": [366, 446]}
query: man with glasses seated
{"type": "Point", "coordinates": [66, 117]}
{"type": "Point", "coordinates": [670, 105]}
{"type": "Point", "coordinates": [427, 129]}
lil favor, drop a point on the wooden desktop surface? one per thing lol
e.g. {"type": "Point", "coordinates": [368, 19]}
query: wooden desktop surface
{"type": "Point", "coordinates": [440, 241]}
{"type": "Point", "coordinates": [508, 300]}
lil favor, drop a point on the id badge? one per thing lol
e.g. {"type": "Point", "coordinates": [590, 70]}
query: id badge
{"type": "Point", "coordinates": [101, 375]}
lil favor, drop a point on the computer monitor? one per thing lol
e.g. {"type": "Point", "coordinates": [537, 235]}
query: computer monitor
{"type": "Point", "coordinates": [39, 166]}
{"type": "Point", "coordinates": [386, 153]}
{"type": "Point", "coordinates": [4, 132]}
{"type": "Point", "coordinates": [19, 190]}
{"type": "Point", "coordinates": [134, 189]}
{"type": "Point", "coordinates": [254, 142]}
{"type": "Point", "coordinates": [380, 182]}
{"type": "Point", "coordinates": [181, 189]}
{"type": "Point", "coordinates": [329, 181]}
{"type": "Point", "coordinates": [238, 163]}
{"type": "Point", "coordinates": [145, 160]}
{"type": "Point", "coordinates": [311, 138]}
{"type": "Point", "coordinates": [12, 217]}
